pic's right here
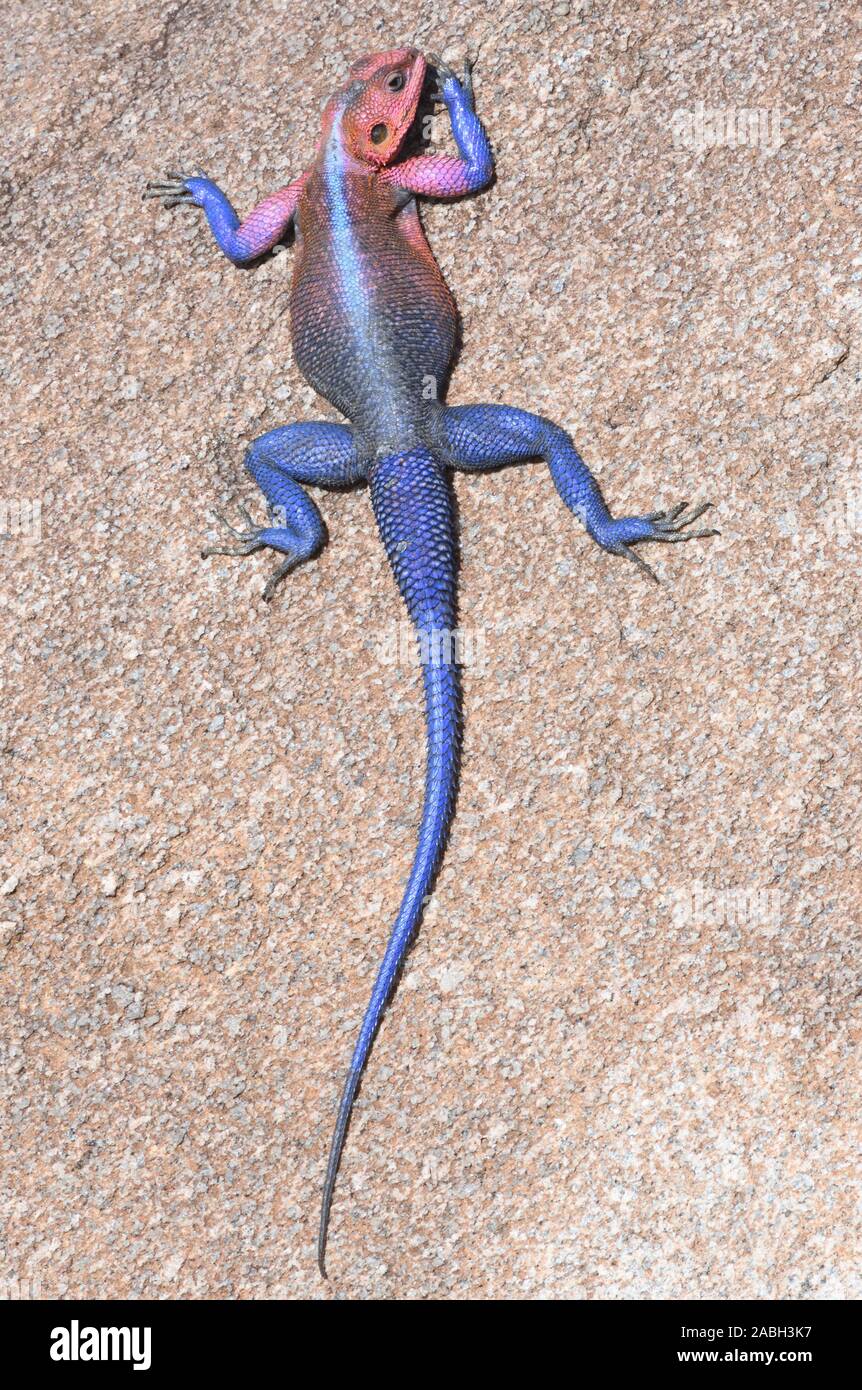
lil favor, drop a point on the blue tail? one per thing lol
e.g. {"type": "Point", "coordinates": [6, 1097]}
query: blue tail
{"type": "Point", "coordinates": [413, 507]}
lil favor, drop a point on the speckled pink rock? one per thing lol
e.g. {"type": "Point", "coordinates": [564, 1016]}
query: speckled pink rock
{"type": "Point", "coordinates": [621, 1062]}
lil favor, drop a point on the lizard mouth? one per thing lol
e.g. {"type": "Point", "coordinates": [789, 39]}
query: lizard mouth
{"type": "Point", "coordinates": [430, 96]}
{"type": "Point", "coordinates": [413, 95]}
{"type": "Point", "coordinates": [414, 136]}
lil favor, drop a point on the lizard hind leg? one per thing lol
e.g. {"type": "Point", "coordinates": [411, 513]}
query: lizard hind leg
{"type": "Point", "coordinates": [280, 462]}
{"type": "Point", "coordinates": [478, 438]}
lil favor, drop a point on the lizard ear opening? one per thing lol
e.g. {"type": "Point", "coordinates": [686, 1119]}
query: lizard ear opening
{"type": "Point", "coordinates": [379, 133]}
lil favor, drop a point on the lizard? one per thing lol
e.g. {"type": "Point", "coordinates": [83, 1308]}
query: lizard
{"type": "Point", "coordinates": [372, 324]}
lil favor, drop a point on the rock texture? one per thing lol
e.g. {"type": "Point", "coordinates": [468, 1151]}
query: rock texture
{"type": "Point", "coordinates": [620, 1063]}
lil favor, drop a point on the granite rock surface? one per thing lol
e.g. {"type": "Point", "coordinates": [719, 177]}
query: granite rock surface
{"type": "Point", "coordinates": [621, 1060]}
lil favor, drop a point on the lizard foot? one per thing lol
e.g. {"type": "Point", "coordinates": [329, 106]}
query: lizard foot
{"type": "Point", "coordinates": [444, 73]}
{"type": "Point", "coordinates": [255, 538]}
{"type": "Point", "coordinates": [176, 188]}
{"type": "Point", "coordinates": [247, 542]}
{"type": "Point", "coordinates": [669, 526]}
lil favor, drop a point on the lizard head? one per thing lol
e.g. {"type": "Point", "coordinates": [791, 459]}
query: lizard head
{"type": "Point", "coordinates": [378, 106]}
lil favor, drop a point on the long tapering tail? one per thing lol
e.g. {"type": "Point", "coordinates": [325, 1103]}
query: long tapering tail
{"type": "Point", "coordinates": [412, 503]}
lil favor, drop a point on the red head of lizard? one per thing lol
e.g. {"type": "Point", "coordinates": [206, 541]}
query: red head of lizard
{"type": "Point", "coordinates": [378, 105]}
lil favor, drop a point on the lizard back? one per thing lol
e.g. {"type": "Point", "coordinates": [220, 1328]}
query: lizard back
{"type": "Point", "coordinates": [372, 320]}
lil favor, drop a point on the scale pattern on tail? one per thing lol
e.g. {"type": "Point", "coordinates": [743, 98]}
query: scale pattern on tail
{"type": "Point", "coordinates": [412, 504]}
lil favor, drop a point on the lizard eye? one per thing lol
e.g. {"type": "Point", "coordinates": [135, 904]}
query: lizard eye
{"type": "Point", "coordinates": [395, 81]}
{"type": "Point", "coordinates": [379, 134]}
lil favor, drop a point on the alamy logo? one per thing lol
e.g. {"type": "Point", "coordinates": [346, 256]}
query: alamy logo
{"type": "Point", "coordinates": [29, 1286]}
{"type": "Point", "coordinates": [21, 518]}
{"type": "Point", "coordinates": [77, 1343]}
{"type": "Point", "coordinates": [403, 645]}
{"type": "Point", "coordinates": [706, 128]}
{"type": "Point", "coordinates": [698, 904]}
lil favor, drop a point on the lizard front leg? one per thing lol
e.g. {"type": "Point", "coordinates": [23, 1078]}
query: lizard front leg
{"type": "Point", "coordinates": [440, 175]}
{"type": "Point", "coordinates": [240, 241]}
{"type": "Point", "coordinates": [478, 438]}
{"type": "Point", "coordinates": [320, 454]}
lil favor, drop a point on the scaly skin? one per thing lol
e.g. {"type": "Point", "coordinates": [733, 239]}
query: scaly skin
{"type": "Point", "coordinates": [373, 327]}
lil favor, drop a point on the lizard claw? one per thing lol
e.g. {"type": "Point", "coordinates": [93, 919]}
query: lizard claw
{"type": "Point", "coordinates": [248, 541]}
{"type": "Point", "coordinates": [276, 577]}
{"type": "Point", "coordinates": [467, 79]}
{"type": "Point", "coordinates": [252, 539]}
{"type": "Point", "coordinates": [444, 73]}
{"type": "Point", "coordinates": [671, 526]}
{"type": "Point", "coordinates": [631, 554]}
{"type": "Point", "coordinates": [174, 189]}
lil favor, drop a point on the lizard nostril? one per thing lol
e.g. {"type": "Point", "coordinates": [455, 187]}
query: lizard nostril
{"type": "Point", "coordinates": [379, 134]}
